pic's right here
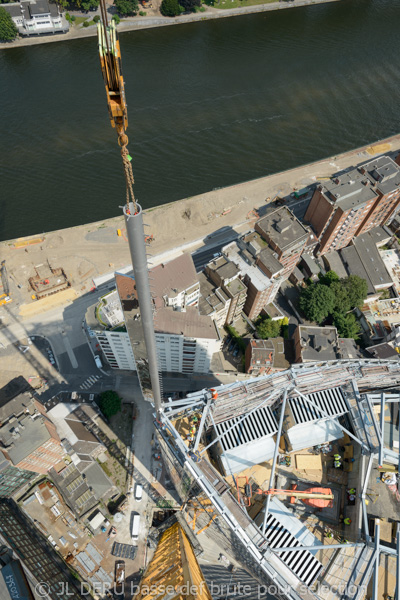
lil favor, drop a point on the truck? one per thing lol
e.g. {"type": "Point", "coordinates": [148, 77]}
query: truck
{"type": "Point", "coordinates": [138, 492]}
{"type": "Point", "coordinates": [4, 299]}
{"type": "Point", "coordinates": [98, 362]}
{"type": "Point", "coordinates": [135, 527]}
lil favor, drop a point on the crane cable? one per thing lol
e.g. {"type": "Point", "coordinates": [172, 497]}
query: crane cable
{"type": "Point", "coordinates": [122, 137]}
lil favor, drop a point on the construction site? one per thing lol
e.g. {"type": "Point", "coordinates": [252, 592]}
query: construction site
{"type": "Point", "coordinates": [291, 476]}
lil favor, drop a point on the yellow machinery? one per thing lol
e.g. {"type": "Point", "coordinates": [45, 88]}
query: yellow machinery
{"type": "Point", "coordinates": [4, 299]}
{"type": "Point", "coordinates": [110, 61]}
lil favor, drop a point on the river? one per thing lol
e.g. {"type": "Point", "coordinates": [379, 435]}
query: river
{"type": "Point", "coordinates": [210, 104]}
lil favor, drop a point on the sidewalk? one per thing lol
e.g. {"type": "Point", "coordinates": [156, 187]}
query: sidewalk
{"type": "Point", "coordinates": [138, 22]}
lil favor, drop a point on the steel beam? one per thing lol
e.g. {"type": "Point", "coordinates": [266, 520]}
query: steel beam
{"type": "Point", "coordinates": [135, 232]}
{"type": "Point", "coordinates": [272, 476]}
{"type": "Point", "coordinates": [382, 428]}
{"type": "Point", "coordinates": [202, 423]}
{"type": "Point", "coordinates": [376, 562]}
{"type": "Point", "coordinates": [325, 414]}
{"type": "Point", "coordinates": [319, 547]}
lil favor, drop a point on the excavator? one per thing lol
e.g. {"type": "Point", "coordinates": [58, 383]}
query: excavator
{"type": "Point", "coordinates": [110, 61]}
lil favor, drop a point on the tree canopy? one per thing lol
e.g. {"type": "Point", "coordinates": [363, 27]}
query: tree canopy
{"type": "Point", "coordinates": [317, 302]}
{"type": "Point", "coordinates": [189, 4]}
{"type": "Point", "coordinates": [346, 325]}
{"type": "Point", "coordinates": [8, 30]}
{"type": "Point", "coordinates": [126, 7]}
{"type": "Point", "coordinates": [110, 403]}
{"type": "Point", "coordinates": [170, 8]}
{"type": "Point", "coordinates": [268, 329]}
{"type": "Point", "coordinates": [335, 298]}
{"type": "Point", "coordinates": [356, 288]}
{"type": "Point", "coordinates": [328, 278]}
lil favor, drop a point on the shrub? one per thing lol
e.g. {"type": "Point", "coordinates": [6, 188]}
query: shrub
{"type": "Point", "coordinates": [170, 8]}
{"type": "Point", "coordinates": [96, 18]}
{"type": "Point", "coordinates": [73, 18]}
{"type": "Point", "coordinates": [110, 403]}
{"type": "Point", "coordinates": [142, 13]}
{"type": "Point", "coordinates": [116, 19]}
{"type": "Point", "coordinates": [86, 24]}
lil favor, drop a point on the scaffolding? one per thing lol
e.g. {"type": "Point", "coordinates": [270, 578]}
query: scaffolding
{"type": "Point", "coordinates": [276, 557]}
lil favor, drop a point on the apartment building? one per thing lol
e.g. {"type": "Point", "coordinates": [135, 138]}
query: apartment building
{"type": "Point", "coordinates": [227, 276]}
{"type": "Point", "coordinates": [286, 238]}
{"type": "Point", "coordinates": [352, 203]}
{"type": "Point", "coordinates": [261, 289]}
{"type": "Point", "coordinates": [176, 283]}
{"type": "Point", "coordinates": [213, 302]}
{"type": "Point", "coordinates": [185, 339]}
{"type": "Point", "coordinates": [105, 320]}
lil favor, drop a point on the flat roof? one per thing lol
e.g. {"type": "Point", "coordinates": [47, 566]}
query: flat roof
{"type": "Point", "coordinates": [188, 323]}
{"type": "Point", "coordinates": [172, 278]}
{"type": "Point", "coordinates": [282, 227]}
{"type": "Point", "coordinates": [355, 266]}
{"type": "Point", "coordinates": [318, 343]}
{"type": "Point", "coordinates": [333, 262]}
{"type": "Point", "coordinates": [372, 260]}
{"type": "Point", "coordinates": [26, 435]}
{"type": "Point", "coordinates": [268, 259]}
{"type": "Point", "coordinates": [258, 278]}
{"type": "Point", "coordinates": [356, 187]}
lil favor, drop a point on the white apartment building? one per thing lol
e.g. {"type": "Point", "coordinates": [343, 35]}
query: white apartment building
{"type": "Point", "coordinates": [176, 283]}
{"type": "Point", "coordinates": [36, 17]}
{"type": "Point", "coordinates": [186, 341]}
{"type": "Point", "coordinates": [117, 349]}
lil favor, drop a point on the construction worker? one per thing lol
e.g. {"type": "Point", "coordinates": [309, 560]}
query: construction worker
{"type": "Point", "coordinates": [351, 491]}
{"type": "Point", "coordinates": [337, 457]}
{"type": "Point", "coordinates": [347, 521]}
{"type": "Point", "coordinates": [328, 534]}
{"type": "Point", "coordinates": [337, 464]}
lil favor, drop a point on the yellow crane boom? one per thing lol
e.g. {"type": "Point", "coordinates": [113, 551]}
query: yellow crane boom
{"type": "Point", "coordinates": [110, 61]}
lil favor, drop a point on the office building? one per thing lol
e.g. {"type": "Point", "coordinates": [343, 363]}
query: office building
{"type": "Point", "coordinates": [265, 356]}
{"type": "Point", "coordinates": [226, 275]}
{"type": "Point", "coordinates": [354, 202]}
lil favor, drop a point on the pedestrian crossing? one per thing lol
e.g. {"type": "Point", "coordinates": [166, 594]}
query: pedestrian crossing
{"type": "Point", "coordinates": [89, 382]}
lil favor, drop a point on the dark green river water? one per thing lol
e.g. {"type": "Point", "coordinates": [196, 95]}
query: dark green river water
{"type": "Point", "coordinates": [210, 104]}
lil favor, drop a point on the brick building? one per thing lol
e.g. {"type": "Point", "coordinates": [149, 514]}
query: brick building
{"type": "Point", "coordinates": [226, 276]}
{"type": "Point", "coordinates": [352, 203]}
{"type": "Point", "coordinates": [265, 356]}
{"type": "Point", "coordinates": [31, 443]}
{"type": "Point", "coordinates": [286, 238]}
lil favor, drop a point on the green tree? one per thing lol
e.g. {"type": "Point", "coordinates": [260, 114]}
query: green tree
{"type": "Point", "coordinates": [346, 325]}
{"type": "Point", "coordinates": [170, 8]}
{"type": "Point", "coordinates": [110, 403]}
{"type": "Point", "coordinates": [328, 278]}
{"type": "Point", "coordinates": [316, 302]}
{"type": "Point", "coordinates": [342, 300]}
{"type": "Point", "coordinates": [86, 5]}
{"type": "Point", "coordinates": [189, 4]}
{"type": "Point", "coordinates": [268, 329]}
{"type": "Point", "coordinates": [96, 18]}
{"type": "Point", "coordinates": [116, 19]}
{"type": "Point", "coordinates": [8, 30]}
{"type": "Point", "coordinates": [357, 289]}
{"type": "Point", "coordinates": [126, 7]}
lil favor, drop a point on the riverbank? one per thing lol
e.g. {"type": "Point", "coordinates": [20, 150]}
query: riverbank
{"type": "Point", "coordinates": [139, 23]}
{"type": "Point", "coordinates": [88, 251]}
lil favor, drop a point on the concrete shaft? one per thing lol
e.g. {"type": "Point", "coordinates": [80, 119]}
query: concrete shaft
{"type": "Point", "coordinates": [137, 246]}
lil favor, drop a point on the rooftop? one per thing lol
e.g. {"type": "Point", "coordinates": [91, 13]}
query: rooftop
{"type": "Point", "coordinates": [282, 228]}
{"type": "Point", "coordinates": [211, 298]}
{"type": "Point", "coordinates": [188, 323]}
{"type": "Point", "coordinates": [318, 343]}
{"type": "Point", "coordinates": [21, 437]}
{"type": "Point", "coordinates": [271, 263]}
{"type": "Point", "coordinates": [269, 352]}
{"type": "Point", "coordinates": [333, 262]}
{"type": "Point", "coordinates": [358, 186]}
{"type": "Point", "coordinates": [174, 277]}
{"type": "Point", "coordinates": [224, 268]}
{"type": "Point", "coordinates": [384, 351]}
{"type": "Point", "coordinates": [246, 265]}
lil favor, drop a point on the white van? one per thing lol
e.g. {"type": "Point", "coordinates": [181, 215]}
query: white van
{"type": "Point", "coordinates": [135, 527]}
{"type": "Point", "coordinates": [138, 492]}
{"type": "Point", "coordinates": [97, 360]}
